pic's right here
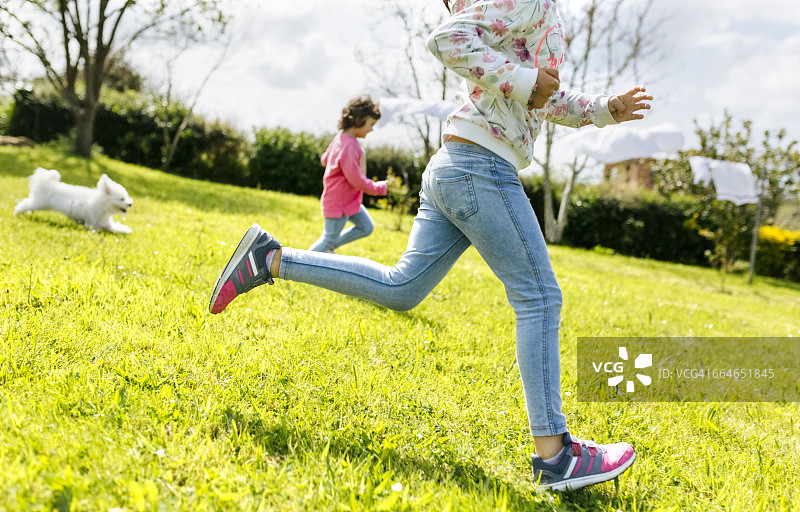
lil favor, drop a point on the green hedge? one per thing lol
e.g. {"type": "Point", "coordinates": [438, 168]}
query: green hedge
{"type": "Point", "coordinates": [40, 118]}
{"type": "Point", "coordinates": [639, 224]}
{"type": "Point", "coordinates": [6, 111]}
{"type": "Point", "coordinates": [534, 189]}
{"type": "Point", "coordinates": [403, 164]}
{"type": "Point", "coordinates": [643, 225]}
{"type": "Point", "coordinates": [130, 127]}
{"type": "Point", "coordinates": [290, 162]}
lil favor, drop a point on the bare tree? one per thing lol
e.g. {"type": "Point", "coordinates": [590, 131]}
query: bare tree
{"type": "Point", "coordinates": [4, 70]}
{"type": "Point", "coordinates": [75, 40]}
{"type": "Point", "coordinates": [415, 74]}
{"type": "Point", "coordinates": [171, 140]}
{"type": "Point", "coordinates": [606, 43]}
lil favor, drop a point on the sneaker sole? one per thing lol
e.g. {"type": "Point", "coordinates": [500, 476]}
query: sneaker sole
{"type": "Point", "coordinates": [584, 481]}
{"type": "Point", "coordinates": [249, 237]}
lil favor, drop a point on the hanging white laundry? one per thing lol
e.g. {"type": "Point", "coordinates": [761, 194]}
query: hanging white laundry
{"type": "Point", "coordinates": [701, 167]}
{"type": "Point", "coordinates": [733, 181]}
{"type": "Point", "coordinates": [396, 107]}
{"type": "Point", "coordinates": [620, 143]}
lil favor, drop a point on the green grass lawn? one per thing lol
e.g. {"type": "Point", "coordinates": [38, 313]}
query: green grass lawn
{"type": "Point", "coordinates": [118, 391]}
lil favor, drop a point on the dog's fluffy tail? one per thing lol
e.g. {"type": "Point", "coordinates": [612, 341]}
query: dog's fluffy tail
{"type": "Point", "coordinates": [42, 175]}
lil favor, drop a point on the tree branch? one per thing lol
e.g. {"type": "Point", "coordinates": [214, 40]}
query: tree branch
{"type": "Point", "coordinates": [119, 14]}
{"type": "Point", "coordinates": [185, 122]}
{"type": "Point", "coordinates": [37, 49]}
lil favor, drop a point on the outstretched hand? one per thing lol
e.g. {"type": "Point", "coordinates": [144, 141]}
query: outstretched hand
{"type": "Point", "coordinates": [624, 106]}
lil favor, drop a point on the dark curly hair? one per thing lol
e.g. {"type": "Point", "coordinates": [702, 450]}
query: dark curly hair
{"type": "Point", "coordinates": [355, 114]}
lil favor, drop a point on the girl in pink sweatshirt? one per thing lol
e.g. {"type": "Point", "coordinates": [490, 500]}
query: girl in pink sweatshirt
{"type": "Point", "coordinates": [345, 178]}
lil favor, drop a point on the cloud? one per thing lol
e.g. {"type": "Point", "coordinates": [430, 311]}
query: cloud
{"type": "Point", "coordinates": [307, 61]}
{"type": "Point", "coordinates": [725, 55]}
{"type": "Point", "coordinates": [297, 65]}
{"type": "Point", "coordinates": [762, 83]}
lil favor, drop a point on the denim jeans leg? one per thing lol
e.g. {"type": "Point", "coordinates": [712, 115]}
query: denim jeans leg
{"type": "Point", "coordinates": [362, 226]}
{"type": "Point", "coordinates": [434, 246]}
{"type": "Point", "coordinates": [482, 195]}
{"type": "Point", "coordinates": [331, 230]}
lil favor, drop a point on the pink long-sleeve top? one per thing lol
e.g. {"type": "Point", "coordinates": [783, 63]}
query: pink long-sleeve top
{"type": "Point", "coordinates": [344, 182]}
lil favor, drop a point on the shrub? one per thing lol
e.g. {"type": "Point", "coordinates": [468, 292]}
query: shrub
{"type": "Point", "coordinates": [398, 200]}
{"type": "Point", "coordinates": [6, 111]}
{"type": "Point", "coordinates": [534, 189]}
{"type": "Point", "coordinates": [288, 162]}
{"type": "Point", "coordinates": [137, 128]}
{"type": "Point", "coordinates": [643, 225]}
{"type": "Point", "coordinates": [778, 253]}
{"type": "Point", "coordinates": [41, 118]}
{"type": "Point", "coordinates": [384, 161]}
{"type": "Point", "coordinates": [131, 127]}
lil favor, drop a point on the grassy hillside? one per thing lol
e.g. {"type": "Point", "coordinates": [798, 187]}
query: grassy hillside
{"type": "Point", "coordinates": [118, 391]}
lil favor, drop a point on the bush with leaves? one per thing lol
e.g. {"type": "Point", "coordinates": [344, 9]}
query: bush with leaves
{"type": "Point", "coordinates": [640, 224]}
{"type": "Point", "coordinates": [778, 253]}
{"type": "Point", "coordinates": [134, 128]}
{"type": "Point", "coordinates": [40, 116]}
{"type": "Point", "coordinates": [397, 200]}
{"type": "Point", "coordinates": [383, 161]}
{"type": "Point", "coordinates": [730, 227]}
{"type": "Point", "coordinates": [287, 161]}
{"type": "Point", "coordinates": [534, 189]}
{"type": "Point", "coordinates": [6, 111]}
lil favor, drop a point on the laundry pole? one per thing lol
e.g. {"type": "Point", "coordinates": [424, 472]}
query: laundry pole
{"type": "Point", "coordinates": [759, 211]}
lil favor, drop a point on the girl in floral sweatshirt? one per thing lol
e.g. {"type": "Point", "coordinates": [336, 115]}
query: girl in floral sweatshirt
{"type": "Point", "coordinates": [508, 53]}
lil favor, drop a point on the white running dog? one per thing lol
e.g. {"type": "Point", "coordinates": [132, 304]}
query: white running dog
{"type": "Point", "coordinates": [92, 207]}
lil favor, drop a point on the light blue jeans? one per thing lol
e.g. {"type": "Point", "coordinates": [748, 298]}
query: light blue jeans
{"type": "Point", "coordinates": [332, 236]}
{"type": "Point", "coordinates": [469, 196]}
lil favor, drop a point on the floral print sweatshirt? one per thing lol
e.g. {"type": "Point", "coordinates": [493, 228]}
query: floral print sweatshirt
{"type": "Point", "coordinates": [497, 46]}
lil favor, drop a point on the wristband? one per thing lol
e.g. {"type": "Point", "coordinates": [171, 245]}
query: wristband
{"type": "Point", "coordinates": [533, 93]}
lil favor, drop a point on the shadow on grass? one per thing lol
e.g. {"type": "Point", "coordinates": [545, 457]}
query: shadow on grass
{"type": "Point", "coordinates": [54, 220]}
{"type": "Point", "coordinates": [364, 448]}
{"type": "Point", "coordinates": [147, 183]}
{"type": "Point", "coordinates": [411, 315]}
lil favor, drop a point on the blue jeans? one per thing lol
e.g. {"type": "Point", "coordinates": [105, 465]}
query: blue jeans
{"type": "Point", "coordinates": [469, 196]}
{"type": "Point", "coordinates": [332, 236]}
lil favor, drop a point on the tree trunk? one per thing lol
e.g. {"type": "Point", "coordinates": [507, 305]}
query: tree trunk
{"type": "Point", "coordinates": [549, 218]}
{"type": "Point", "coordinates": [561, 222]}
{"type": "Point", "coordinates": [84, 130]}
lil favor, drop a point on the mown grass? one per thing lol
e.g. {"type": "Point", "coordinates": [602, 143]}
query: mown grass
{"type": "Point", "coordinates": [119, 391]}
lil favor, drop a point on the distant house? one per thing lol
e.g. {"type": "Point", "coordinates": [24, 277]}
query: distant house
{"type": "Point", "coordinates": [629, 153]}
{"type": "Point", "coordinates": [634, 173]}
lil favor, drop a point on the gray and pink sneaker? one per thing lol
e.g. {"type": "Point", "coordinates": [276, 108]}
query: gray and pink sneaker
{"type": "Point", "coordinates": [246, 269]}
{"type": "Point", "coordinates": [583, 463]}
